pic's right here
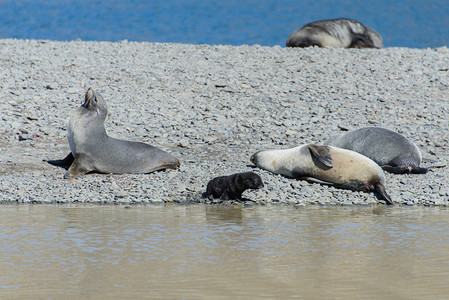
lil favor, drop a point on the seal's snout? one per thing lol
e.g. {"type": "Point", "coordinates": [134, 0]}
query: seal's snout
{"type": "Point", "coordinates": [90, 96]}
{"type": "Point", "coordinates": [253, 158]}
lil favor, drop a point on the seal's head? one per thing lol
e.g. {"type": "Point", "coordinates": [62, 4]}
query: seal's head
{"type": "Point", "coordinates": [95, 103]}
{"type": "Point", "coordinates": [251, 180]}
{"type": "Point", "coordinates": [266, 160]}
{"type": "Point", "coordinates": [370, 39]}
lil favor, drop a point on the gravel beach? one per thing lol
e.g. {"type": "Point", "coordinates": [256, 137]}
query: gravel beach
{"type": "Point", "coordinates": [212, 107]}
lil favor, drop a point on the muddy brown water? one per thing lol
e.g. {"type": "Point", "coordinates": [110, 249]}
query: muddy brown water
{"type": "Point", "coordinates": [222, 252]}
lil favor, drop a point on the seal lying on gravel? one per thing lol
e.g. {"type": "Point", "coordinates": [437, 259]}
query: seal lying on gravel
{"type": "Point", "coordinates": [94, 151]}
{"type": "Point", "coordinates": [390, 150]}
{"type": "Point", "coordinates": [231, 187]}
{"type": "Point", "coordinates": [326, 165]}
{"type": "Point", "coordinates": [340, 33]}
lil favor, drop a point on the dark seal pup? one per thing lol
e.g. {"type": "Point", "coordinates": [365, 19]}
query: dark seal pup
{"type": "Point", "coordinates": [231, 187]}
{"type": "Point", "coordinates": [92, 150]}
{"type": "Point", "coordinates": [325, 165]}
{"type": "Point", "coordinates": [339, 33]}
{"type": "Point", "coordinates": [390, 150]}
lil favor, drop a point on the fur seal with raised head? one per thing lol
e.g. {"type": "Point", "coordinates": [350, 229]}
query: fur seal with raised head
{"type": "Point", "coordinates": [339, 33]}
{"type": "Point", "coordinates": [231, 187]}
{"type": "Point", "coordinates": [326, 165]}
{"type": "Point", "coordinates": [92, 150]}
{"type": "Point", "coordinates": [392, 151]}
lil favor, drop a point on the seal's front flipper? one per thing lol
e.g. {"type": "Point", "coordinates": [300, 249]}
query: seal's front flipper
{"type": "Point", "coordinates": [64, 163]}
{"type": "Point", "coordinates": [76, 169]}
{"type": "Point", "coordinates": [322, 154]}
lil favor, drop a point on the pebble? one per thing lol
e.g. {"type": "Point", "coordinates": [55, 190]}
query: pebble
{"type": "Point", "coordinates": [290, 132]}
{"type": "Point", "coordinates": [184, 143]}
{"type": "Point", "coordinates": [120, 194]}
{"type": "Point", "coordinates": [213, 116]}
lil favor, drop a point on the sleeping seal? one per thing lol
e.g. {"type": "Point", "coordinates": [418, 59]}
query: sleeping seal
{"type": "Point", "coordinates": [92, 150]}
{"type": "Point", "coordinates": [339, 33]}
{"type": "Point", "coordinates": [390, 150]}
{"type": "Point", "coordinates": [231, 187]}
{"type": "Point", "coordinates": [326, 165]}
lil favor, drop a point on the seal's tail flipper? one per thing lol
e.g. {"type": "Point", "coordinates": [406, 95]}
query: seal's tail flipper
{"type": "Point", "coordinates": [64, 163]}
{"type": "Point", "coordinates": [405, 169]}
{"type": "Point", "coordinates": [433, 164]}
{"type": "Point", "coordinates": [397, 169]}
{"type": "Point", "coordinates": [419, 170]}
{"type": "Point", "coordinates": [380, 189]}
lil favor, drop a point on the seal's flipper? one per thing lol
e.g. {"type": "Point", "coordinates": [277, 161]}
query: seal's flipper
{"type": "Point", "coordinates": [397, 169]}
{"type": "Point", "coordinates": [76, 169]}
{"type": "Point", "coordinates": [207, 195]}
{"type": "Point", "coordinates": [380, 189]}
{"type": "Point", "coordinates": [361, 186]}
{"type": "Point", "coordinates": [405, 169]}
{"type": "Point", "coordinates": [419, 170]}
{"type": "Point", "coordinates": [323, 154]}
{"type": "Point", "coordinates": [65, 163]}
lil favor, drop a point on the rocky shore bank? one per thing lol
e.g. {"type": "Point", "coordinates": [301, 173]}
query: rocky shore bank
{"type": "Point", "coordinates": [212, 107]}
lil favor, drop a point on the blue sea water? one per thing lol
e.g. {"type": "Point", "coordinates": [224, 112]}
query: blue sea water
{"type": "Point", "coordinates": [408, 23]}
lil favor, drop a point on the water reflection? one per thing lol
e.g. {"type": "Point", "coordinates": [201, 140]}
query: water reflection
{"type": "Point", "coordinates": [205, 252]}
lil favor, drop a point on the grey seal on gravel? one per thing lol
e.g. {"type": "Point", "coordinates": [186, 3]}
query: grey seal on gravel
{"type": "Point", "coordinates": [231, 187]}
{"type": "Point", "coordinates": [92, 150]}
{"type": "Point", "coordinates": [328, 165]}
{"type": "Point", "coordinates": [392, 151]}
{"type": "Point", "coordinates": [340, 33]}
